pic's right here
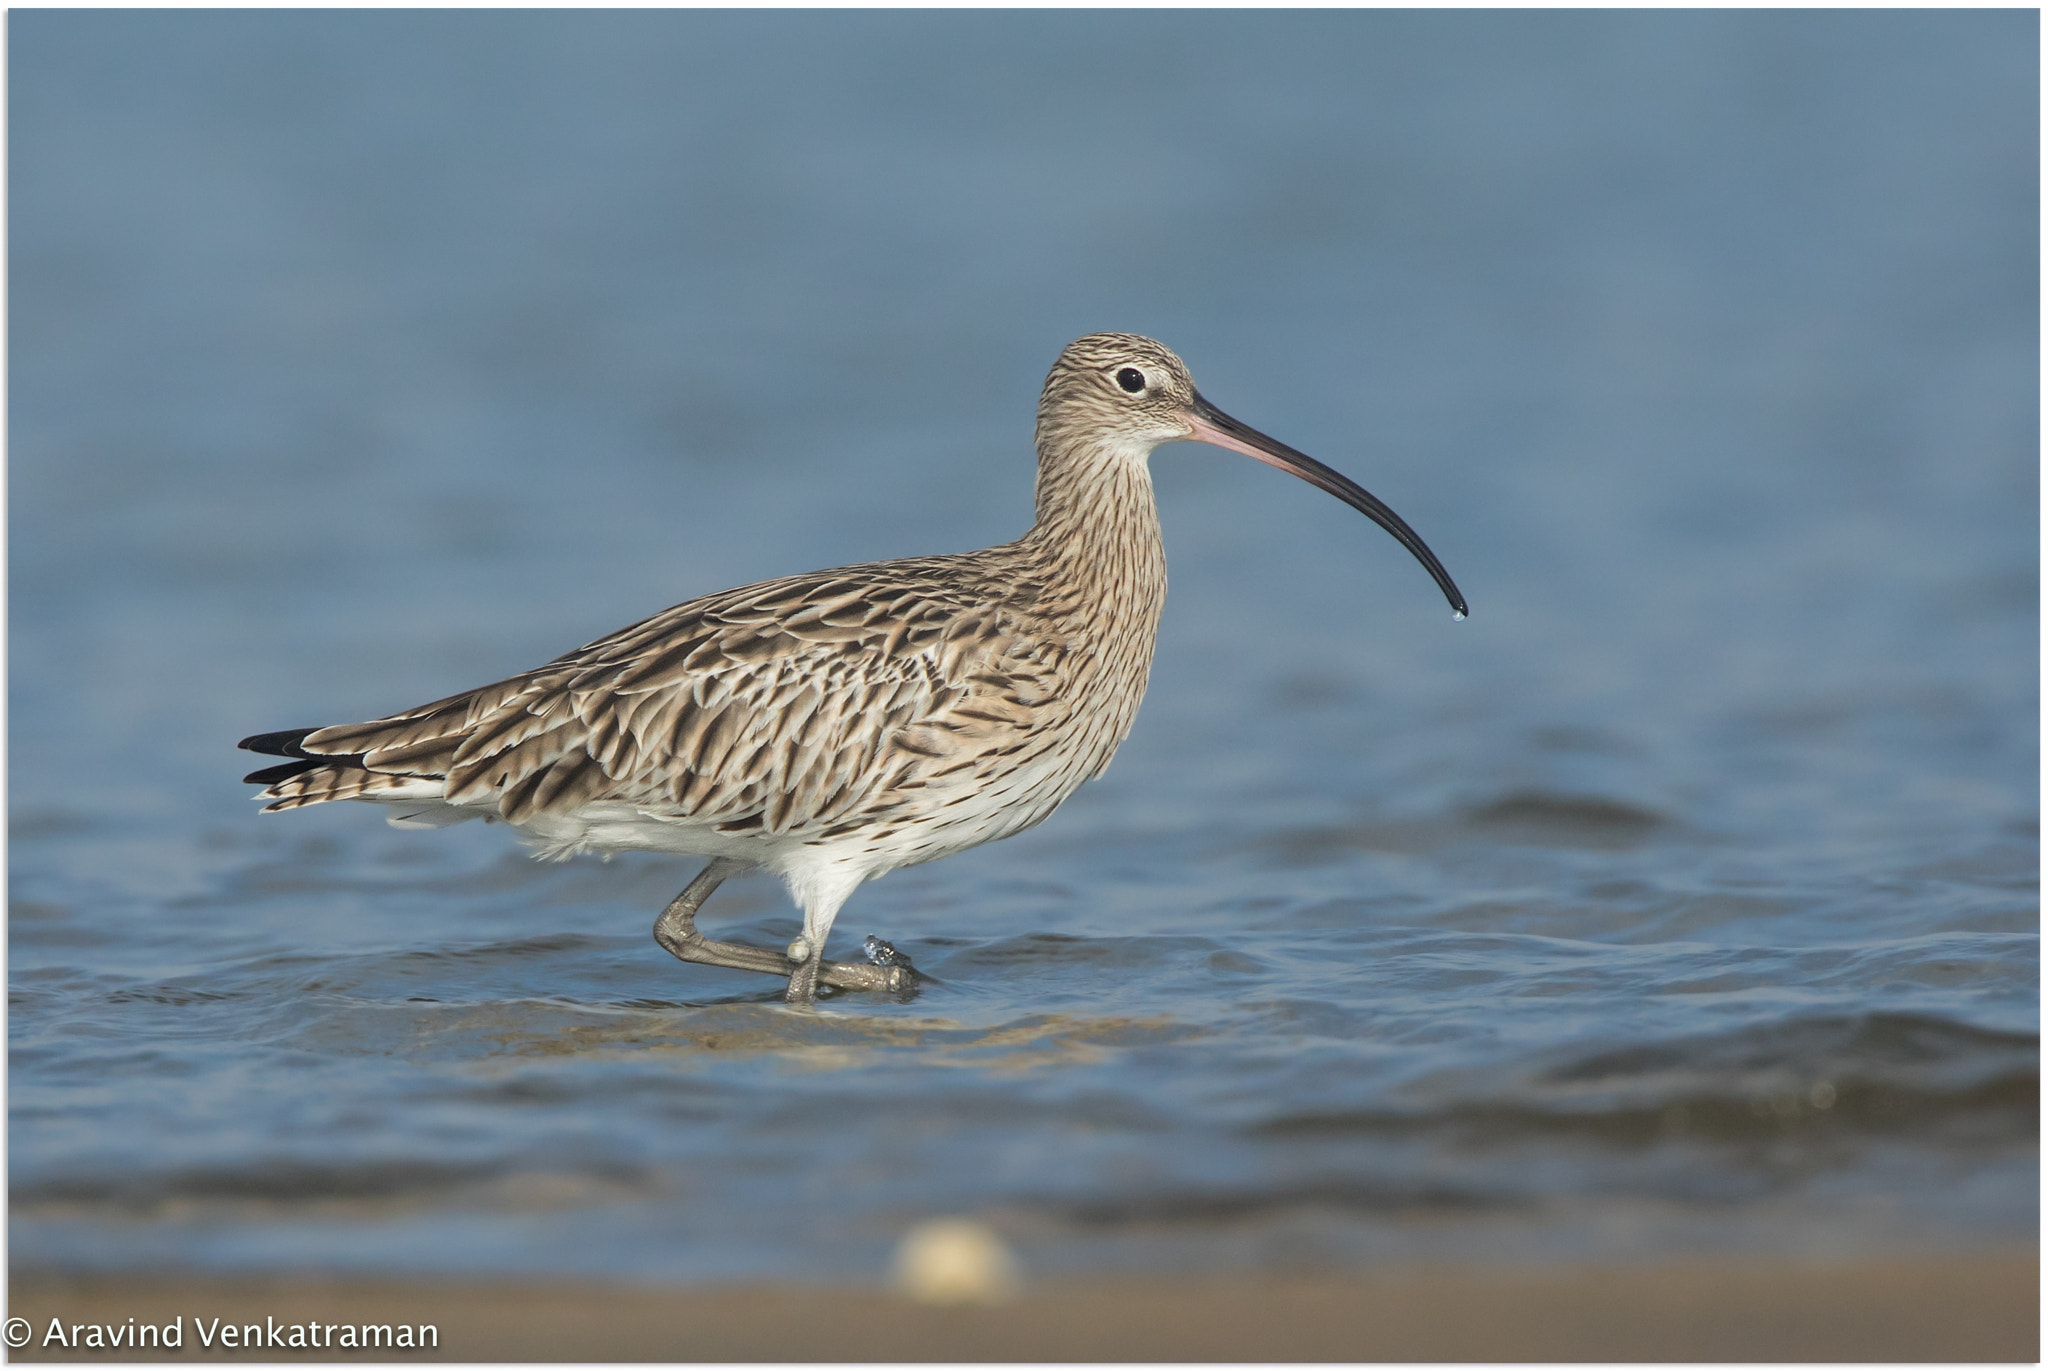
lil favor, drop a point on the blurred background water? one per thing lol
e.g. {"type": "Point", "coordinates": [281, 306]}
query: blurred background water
{"type": "Point", "coordinates": [1683, 899]}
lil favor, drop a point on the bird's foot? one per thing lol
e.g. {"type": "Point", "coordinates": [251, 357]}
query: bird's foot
{"type": "Point", "coordinates": [886, 970]}
{"type": "Point", "coordinates": [802, 963]}
{"type": "Point", "coordinates": [892, 973]}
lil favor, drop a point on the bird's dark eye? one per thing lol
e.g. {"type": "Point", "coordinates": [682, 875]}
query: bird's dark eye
{"type": "Point", "coordinates": [1131, 379]}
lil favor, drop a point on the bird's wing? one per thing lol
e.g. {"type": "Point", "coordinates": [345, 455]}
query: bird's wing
{"type": "Point", "coordinates": [788, 706]}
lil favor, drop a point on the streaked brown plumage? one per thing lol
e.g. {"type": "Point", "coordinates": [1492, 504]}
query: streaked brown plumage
{"type": "Point", "coordinates": [834, 726]}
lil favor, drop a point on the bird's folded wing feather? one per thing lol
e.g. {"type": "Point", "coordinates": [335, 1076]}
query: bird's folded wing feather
{"type": "Point", "coordinates": [788, 707]}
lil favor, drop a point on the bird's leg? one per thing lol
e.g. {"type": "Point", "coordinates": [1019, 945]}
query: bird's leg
{"type": "Point", "coordinates": [803, 982]}
{"type": "Point", "coordinates": [676, 930]}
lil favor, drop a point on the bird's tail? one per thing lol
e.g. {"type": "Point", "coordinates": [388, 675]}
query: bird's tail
{"type": "Point", "coordinates": [313, 778]}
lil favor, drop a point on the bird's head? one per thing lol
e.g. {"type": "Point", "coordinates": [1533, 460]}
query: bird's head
{"type": "Point", "coordinates": [1118, 396]}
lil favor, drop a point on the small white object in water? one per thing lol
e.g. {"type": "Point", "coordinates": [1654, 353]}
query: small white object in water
{"type": "Point", "coordinates": [955, 1261]}
{"type": "Point", "coordinates": [799, 949]}
{"type": "Point", "coordinates": [1457, 616]}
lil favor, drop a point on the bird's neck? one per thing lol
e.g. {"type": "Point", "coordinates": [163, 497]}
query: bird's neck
{"type": "Point", "coordinates": [1098, 531]}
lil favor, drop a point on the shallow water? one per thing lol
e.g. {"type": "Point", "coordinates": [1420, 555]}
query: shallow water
{"type": "Point", "coordinates": [1685, 898]}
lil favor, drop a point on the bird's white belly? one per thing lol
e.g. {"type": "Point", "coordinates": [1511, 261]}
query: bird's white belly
{"type": "Point", "coordinates": [975, 810]}
{"type": "Point", "coordinates": [608, 826]}
{"type": "Point", "coordinates": [602, 826]}
{"type": "Point", "coordinates": [938, 823]}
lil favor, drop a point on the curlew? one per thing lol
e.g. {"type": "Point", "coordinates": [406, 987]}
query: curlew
{"type": "Point", "coordinates": [831, 727]}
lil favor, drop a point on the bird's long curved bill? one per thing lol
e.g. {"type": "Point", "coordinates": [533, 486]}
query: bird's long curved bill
{"type": "Point", "coordinates": [1212, 425]}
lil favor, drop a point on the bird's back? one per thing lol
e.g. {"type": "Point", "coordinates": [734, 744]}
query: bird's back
{"type": "Point", "coordinates": [917, 707]}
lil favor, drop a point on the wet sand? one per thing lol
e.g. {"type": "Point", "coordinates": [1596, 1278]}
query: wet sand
{"type": "Point", "coordinates": [1968, 1308]}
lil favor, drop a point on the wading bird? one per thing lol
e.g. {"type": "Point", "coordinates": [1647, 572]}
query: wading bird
{"type": "Point", "coordinates": [834, 726]}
